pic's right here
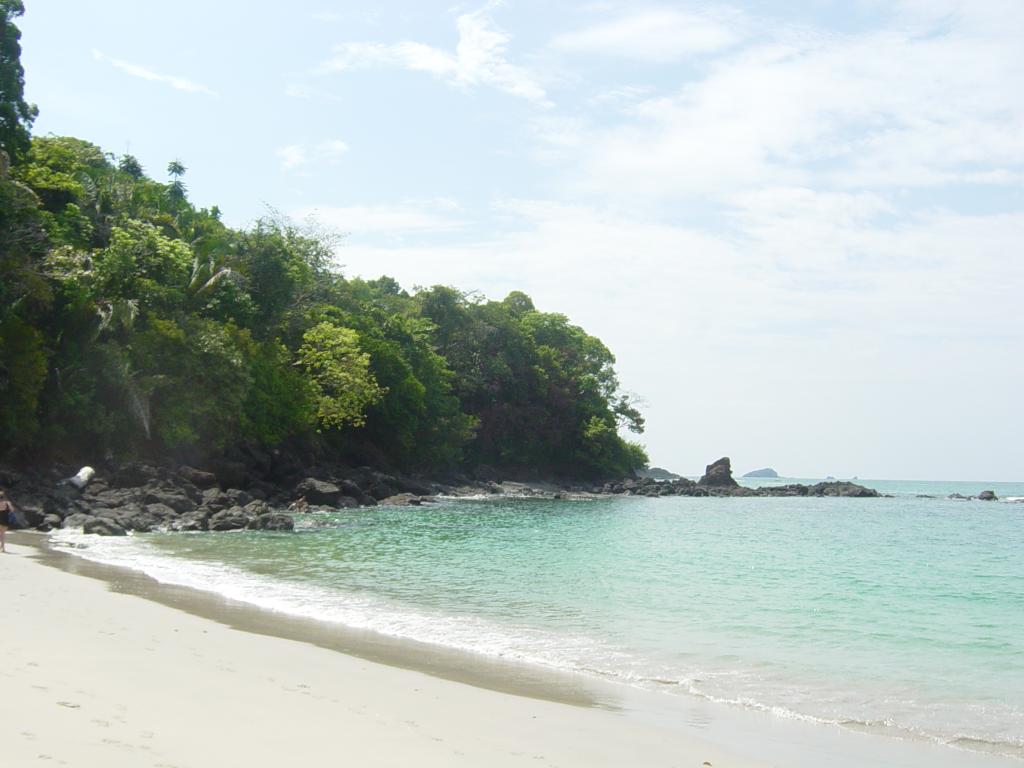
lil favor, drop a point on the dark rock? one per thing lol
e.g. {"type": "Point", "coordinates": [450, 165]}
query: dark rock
{"type": "Point", "coordinates": [256, 508]}
{"type": "Point", "coordinates": [404, 500]}
{"type": "Point", "coordinates": [657, 473]}
{"type": "Point", "coordinates": [49, 523]}
{"type": "Point", "coordinates": [987, 496]}
{"type": "Point", "coordinates": [176, 500]}
{"type": "Point", "coordinates": [140, 521]}
{"type": "Point", "coordinates": [232, 519]}
{"type": "Point", "coordinates": [197, 520]}
{"type": "Point", "coordinates": [32, 515]}
{"type": "Point", "coordinates": [381, 490]}
{"type": "Point", "coordinates": [349, 488]}
{"type": "Point", "coordinates": [133, 474]}
{"type": "Point", "coordinates": [272, 521]}
{"type": "Point", "coordinates": [76, 520]}
{"type": "Point", "coordinates": [230, 474]}
{"type": "Point", "coordinates": [719, 475]}
{"type": "Point", "coordinates": [117, 497]}
{"type": "Point", "coordinates": [102, 526]}
{"type": "Point", "coordinates": [318, 491]}
{"type": "Point", "coordinates": [841, 488]}
{"type": "Point", "coordinates": [161, 511]}
{"type": "Point", "coordinates": [415, 487]}
{"type": "Point", "coordinates": [198, 478]}
{"type": "Point", "coordinates": [215, 499]}
{"type": "Point", "coordinates": [237, 497]}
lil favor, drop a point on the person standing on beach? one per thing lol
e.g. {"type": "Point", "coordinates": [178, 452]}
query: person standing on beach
{"type": "Point", "coordinates": [6, 519]}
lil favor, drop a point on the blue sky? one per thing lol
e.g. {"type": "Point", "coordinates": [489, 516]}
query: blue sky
{"type": "Point", "coordinates": [798, 229]}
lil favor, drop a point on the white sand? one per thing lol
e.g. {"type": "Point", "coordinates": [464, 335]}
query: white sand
{"type": "Point", "coordinates": [90, 677]}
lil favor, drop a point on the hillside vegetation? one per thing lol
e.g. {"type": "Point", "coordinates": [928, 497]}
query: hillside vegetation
{"type": "Point", "coordinates": [134, 324]}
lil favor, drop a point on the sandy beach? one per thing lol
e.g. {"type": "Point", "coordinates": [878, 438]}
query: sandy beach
{"type": "Point", "coordinates": [92, 677]}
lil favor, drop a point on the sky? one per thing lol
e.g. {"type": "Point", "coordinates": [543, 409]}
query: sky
{"type": "Point", "coordinates": [798, 226]}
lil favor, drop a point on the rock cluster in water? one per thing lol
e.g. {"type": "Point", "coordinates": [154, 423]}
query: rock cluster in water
{"type": "Point", "coordinates": [228, 496]}
{"type": "Point", "coordinates": [718, 481]}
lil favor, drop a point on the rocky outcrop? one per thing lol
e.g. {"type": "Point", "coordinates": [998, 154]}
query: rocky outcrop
{"type": "Point", "coordinates": [988, 496]}
{"type": "Point", "coordinates": [406, 500]}
{"type": "Point", "coordinates": [657, 473]}
{"type": "Point", "coordinates": [718, 475]}
{"type": "Point", "coordinates": [136, 497]}
{"type": "Point", "coordinates": [272, 521]}
{"type": "Point", "coordinates": [102, 526]}
{"type": "Point", "coordinates": [318, 492]}
{"type": "Point", "coordinates": [198, 477]}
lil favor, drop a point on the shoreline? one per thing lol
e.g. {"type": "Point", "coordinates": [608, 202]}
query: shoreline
{"type": "Point", "coordinates": [603, 711]}
{"type": "Point", "coordinates": [98, 675]}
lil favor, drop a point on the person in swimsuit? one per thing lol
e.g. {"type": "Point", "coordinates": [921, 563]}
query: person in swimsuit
{"type": "Point", "coordinates": [6, 519]}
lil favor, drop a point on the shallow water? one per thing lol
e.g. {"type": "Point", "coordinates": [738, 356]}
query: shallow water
{"type": "Point", "coordinates": [903, 614]}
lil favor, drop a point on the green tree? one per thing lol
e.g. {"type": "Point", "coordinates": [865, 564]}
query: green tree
{"type": "Point", "coordinates": [16, 115]}
{"type": "Point", "coordinates": [339, 373]}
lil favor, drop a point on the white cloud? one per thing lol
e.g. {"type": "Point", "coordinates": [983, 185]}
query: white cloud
{"type": "Point", "coordinates": [332, 151]}
{"type": "Point", "coordinates": [656, 35]}
{"type": "Point", "coordinates": [178, 83]}
{"type": "Point", "coordinates": [479, 59]}
{"type": "Point", "coordinates": [294, 156]}
{"type": "Point", "coordinates": [900, 107]}
{"type": "Point", "coordinates": [413, 217]}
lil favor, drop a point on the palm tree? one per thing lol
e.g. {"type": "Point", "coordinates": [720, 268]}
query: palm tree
{"type": "Point", "coordinates": [177, 189]}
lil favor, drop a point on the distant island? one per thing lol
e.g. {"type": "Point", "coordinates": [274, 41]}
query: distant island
{"type": "Point", "coordinates": [766, 472]}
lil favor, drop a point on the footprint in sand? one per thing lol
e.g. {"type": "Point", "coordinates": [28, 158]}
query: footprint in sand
{"type": "Point", "coordinates": [68, 704]}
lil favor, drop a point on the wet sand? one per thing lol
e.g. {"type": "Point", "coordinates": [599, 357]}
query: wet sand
{"type": "Point", "coordinates": [94, 675]}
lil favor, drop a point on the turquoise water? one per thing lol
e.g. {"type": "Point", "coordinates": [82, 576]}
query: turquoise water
{"type": "Point", "coordinates": [902, 614]}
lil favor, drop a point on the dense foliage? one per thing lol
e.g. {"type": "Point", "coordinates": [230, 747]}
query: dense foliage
{"type": "Point", "coordinates": [131, 322]}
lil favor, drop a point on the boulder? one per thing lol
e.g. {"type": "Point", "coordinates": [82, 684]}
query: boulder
{"type": "Point", "coordinates": [33, 515]}
{"type": "Point", "coordinates": [198, 477]}
{"type": "Point", "coordinates": [176, 500]}
{"type": "Point", "coordinates": [403, 500]}
{"type": "Point", "coordinates": [76, 520]}
{"type": "Point", "coordinates": [134, 474]}
{"type": "Point", "coordinates": [215, 499]}
{"type": "Point", "coordinates": [102, 526]}
{"type": "Point", "coordinates": [231, 474]}
{"type": "Point", "coordinates": [318, 491]}
{"type": "Point", "coordinates": [197, 520]}
{"type": "Point", "coordinates": [117, 497]}
{"type": "Point", "coordinates": [987, 496]}
{"type": "Point", "coordinates": [256, 508]}
{"type": "Point", "coordinates": [272, 521]}
{"type": "Point", "coordinates": [140, 521]}
{"type": "Point", "coordinates": [231, 519]}
{"type": "Point", "coordinates": [409, 485]}
{"type": "Point", "coordinates": [719, 475]}
{"type": "Point", "coordinates": [237, 497]}
{"type": "Point", "coordinates": [840, 488]}
{"type": "Point", "coordinates": [49, 523]}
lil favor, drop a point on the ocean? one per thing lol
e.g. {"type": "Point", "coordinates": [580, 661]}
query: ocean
{"type": "Point", "coordinates": [902, 615]}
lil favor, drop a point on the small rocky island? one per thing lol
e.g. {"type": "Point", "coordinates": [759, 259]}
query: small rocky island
{"type": "Point", "coordinates": [766, 472]}
{"type": "Point", "coordinates": [718, 481]}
